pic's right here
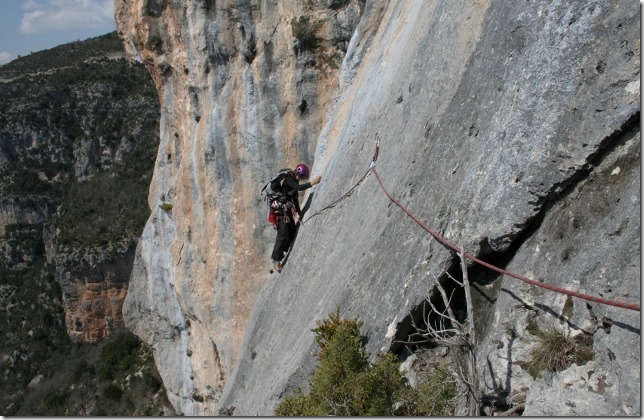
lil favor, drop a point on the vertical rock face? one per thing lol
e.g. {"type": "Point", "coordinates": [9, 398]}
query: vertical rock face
{"type": "Point", "coordinates": [245, 88]}
{"type": "Point", "coordinates": [511, 129]}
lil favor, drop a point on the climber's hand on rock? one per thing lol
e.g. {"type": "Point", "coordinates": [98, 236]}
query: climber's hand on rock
{"type": "Point", "coordinates": [316, 180]}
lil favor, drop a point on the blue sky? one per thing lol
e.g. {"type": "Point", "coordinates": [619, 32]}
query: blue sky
{"type": "Point", "coordinates": [28, 26]}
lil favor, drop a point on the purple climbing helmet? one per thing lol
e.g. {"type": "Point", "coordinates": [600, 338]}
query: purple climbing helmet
{"type": "Point", "coordinates": [302, 171]}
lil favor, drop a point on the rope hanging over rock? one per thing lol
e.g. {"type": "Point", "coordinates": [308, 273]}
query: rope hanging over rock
{"type": "Point", "coordinates": [448, 244]}
{"type": "Point", "coordinates": [441, 239]}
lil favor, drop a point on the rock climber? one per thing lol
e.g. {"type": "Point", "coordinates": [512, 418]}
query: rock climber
{"type": "Point", "coordinates": [287, 230]}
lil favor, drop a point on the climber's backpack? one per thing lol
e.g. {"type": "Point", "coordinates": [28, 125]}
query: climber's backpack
{"type": "Point", "coordinates": [275, 198]}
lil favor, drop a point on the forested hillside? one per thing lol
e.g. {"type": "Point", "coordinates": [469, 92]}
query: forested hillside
{"type": "Point", "coordinates": [78, 138]}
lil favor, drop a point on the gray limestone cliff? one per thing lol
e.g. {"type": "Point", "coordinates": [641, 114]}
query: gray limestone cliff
{"type": "Point", "coordinates": [510, 128]}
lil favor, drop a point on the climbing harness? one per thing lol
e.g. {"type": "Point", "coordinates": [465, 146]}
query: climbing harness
{"type": "Point", "coordinates": [276, 200]}
{"type": "Point", "coordinates": [445, 242]}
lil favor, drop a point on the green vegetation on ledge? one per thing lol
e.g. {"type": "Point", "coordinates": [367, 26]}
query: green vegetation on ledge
{"type": "Point", "coordinates": [346, 384]}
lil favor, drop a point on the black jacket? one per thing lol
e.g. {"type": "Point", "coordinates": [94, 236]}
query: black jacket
{"type": "Point", "coordinates": [291, 187]}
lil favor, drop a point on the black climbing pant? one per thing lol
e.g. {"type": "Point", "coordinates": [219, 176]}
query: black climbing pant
{"type": "Point", "coordinates": [285, 235]}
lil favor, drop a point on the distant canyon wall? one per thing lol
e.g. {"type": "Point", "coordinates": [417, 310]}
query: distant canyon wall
{"type": "Point", "coordinates": [64, 144]}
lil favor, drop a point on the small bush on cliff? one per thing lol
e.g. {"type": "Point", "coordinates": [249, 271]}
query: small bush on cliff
{"type": "Point", "coordinates": [118, 356]}
{"type": "Point", "coordinates": [434, 396]}
{"type": "Point", "coordinates": [304, 33]}
{"type": "Point", "coordinates": [556, 350]}
{"type": "Point", "coordinates": [113, 392]}
{"type": "Point", "coordinates": [345, 384]}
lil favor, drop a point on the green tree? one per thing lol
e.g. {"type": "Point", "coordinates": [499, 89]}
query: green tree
{"type": "Point", "coordinates": [344, 383]}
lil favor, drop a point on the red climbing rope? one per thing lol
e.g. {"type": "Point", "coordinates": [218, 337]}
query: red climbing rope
{"type": "Point", "coordinates": [445, 242]}
{"type": "Point", "coordinates": [348, 193]}
{"type": "Point", "coordinates": [345, 195]}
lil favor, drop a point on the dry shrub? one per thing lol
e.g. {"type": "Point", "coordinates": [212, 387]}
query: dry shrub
{"type": "Point", "coordinates": [556, 349]}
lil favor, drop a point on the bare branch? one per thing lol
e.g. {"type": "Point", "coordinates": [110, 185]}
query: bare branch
{"type": "Point", "coordinates": [513, 410]}
{"type": "Point", "coordinates": [451, 317]}
{"type": "Point", "coordinates": [472, 380]}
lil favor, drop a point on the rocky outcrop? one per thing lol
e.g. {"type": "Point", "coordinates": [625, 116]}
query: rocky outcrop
{"type": "Point", "coordinates": [93, 293]}
{"type": "Point", "coordinates": [511, 129]}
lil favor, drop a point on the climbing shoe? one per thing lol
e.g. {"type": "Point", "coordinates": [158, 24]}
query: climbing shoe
{"type": "Point", "coordinates": [277, 266]}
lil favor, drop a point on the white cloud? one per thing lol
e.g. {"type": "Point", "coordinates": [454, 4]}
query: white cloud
{"type": "Point", "coordinates": [5, 57]}
{"type": "Point", "coordinates": [62, 15]}
{"type": "Point", "coordinates": [30, 5]}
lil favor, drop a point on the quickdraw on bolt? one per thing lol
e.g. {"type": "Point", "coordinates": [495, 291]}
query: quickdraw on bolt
{"type": "Point", "coordinates": [375, 153]}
